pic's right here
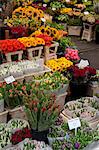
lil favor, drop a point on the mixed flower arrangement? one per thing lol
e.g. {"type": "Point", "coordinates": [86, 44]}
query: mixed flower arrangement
{"type": "Point", "coordinates": [53, 32]}
{"type": "Point", "coordinates": [51, 83]}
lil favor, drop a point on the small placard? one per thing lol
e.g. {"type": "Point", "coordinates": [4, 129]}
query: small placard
{"type": "Point", "coordinates": [43, 19]}
{"type": "Point", "coordinates": [74, 123]}
{"type": "Point", "coordinates": [9, 79]}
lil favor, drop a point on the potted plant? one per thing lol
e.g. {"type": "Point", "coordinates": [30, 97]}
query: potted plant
{"type": "Point", "coordinates": [40, 109]}
{"type": "Point", "coordinates": [97, 33]}
{"type": "Point", "coordinates": [80, 75]}
{"type": "Point", "coordinates": [74, 26]}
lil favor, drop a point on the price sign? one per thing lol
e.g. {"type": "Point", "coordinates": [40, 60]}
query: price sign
{"type": "Point", "coordinates": [9, 79]}
{"type": "Point", "coordinates": [74, 123]}
{"type": "Point", "coordinates": [43, 19]}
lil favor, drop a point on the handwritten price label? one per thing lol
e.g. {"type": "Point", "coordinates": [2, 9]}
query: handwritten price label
{"type": "Point", "coordinates": [74, 123]}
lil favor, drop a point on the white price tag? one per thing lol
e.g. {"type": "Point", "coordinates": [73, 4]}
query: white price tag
{"type": "Point", "coordinates": [53, 8]}
{"type": "Point", "coordinates": [43, 19]}
{"type": "Point", "coordinates": [74, 123]}
{"type": "Point", "coordinates": [0, 9]}
{"type": "Point", "coordinates": [9, 79]}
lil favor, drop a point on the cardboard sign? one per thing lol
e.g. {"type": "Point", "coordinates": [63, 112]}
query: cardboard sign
{"type": "Point", "coordinates": [9, 79]}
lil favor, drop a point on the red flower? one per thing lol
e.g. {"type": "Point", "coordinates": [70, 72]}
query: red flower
{"type": "Point", "coordinates": [35, 109]}
{"type": "Point", "coordinates": [43, 109]}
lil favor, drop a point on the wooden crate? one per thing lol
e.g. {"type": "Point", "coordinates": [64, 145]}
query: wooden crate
{"type": "Point", "coordinates": [50, 51]}
{"type": "Point", "coordinates": [34, 52]}
{"type": "Point", "coordinates": [74, 30]}
{"type": "Point", "coordinates": [9, 55]}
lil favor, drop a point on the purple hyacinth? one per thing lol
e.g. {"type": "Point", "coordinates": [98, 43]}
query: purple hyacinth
{"type": "Point", "coordinates": [77, 145]}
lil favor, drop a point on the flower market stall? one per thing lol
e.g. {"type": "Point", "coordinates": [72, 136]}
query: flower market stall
{"type": "Point", "coordinates": [49, 95]}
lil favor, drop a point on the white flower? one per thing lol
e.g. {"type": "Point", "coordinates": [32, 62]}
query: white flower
{"type": "Point", "coordinates": [83, 64]}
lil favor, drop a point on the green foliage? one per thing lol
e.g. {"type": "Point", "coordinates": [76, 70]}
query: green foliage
{"type": "Point", "coordinates": [55, 25]}
{"type": "Point", "coordinates": [64, 43]}
{"type": "Point", "coordinates": [63, 18]}
{"type": "Point", "coordinates": [75, 22]}
{"type": "Point", "coordinates": [57, 5]}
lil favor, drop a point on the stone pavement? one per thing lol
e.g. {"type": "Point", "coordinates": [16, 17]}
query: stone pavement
{"type": "Point", "coordinates": [88, 50]}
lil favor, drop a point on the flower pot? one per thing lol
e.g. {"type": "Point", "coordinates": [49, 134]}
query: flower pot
{"type": "Point", "coordinates": [40, 135]}
{"type": "Point", "coordinates": [2, 105]}
{"type": "Point", "coordinates": [78, 90]}
{"type": "Point", "coordinates": [97, 38]}
{"type": "Point", "coordinates": [74, 30]}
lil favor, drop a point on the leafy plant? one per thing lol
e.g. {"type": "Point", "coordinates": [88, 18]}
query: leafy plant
{"type": "Point", "coordinates": [55, 25]}
{"type": "Point", "coordinates": [64, 43]}
{"type": "Point", "coordinates": [63, 18]}
{"type": "Point", "coordinates": [75, 22]}
{"type": "Point", "coordinates": [57, 5]}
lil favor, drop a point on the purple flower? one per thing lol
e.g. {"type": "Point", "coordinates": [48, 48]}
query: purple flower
{"type": "Point", "coordinates": [77, 145]}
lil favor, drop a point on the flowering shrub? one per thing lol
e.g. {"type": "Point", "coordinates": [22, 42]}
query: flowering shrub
{"type": "Point", "coordinates": [72, 54]}
{"type": "Point", "coordinates": [11, 45]}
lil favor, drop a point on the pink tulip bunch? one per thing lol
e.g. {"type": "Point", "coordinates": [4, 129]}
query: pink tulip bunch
{"type": "Point", "coordinates": [72, 54]}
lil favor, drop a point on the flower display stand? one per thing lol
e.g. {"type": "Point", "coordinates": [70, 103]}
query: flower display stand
{"type": "Point", "coordinates": [74, 30]}
{"type": "Point", "coordinates": [35, 52]}
{"type": "Point", "coordinates": [3, 117]}
{"type": "Point", "coordinates": [18, 113]}
{"type": "Point", "coordinates": [88, 32]}
{"type": "Point", "coordinates": [50, 51]}
{"type": "Point", "coordinates": [60, 100]}
{"type": "Point", "coordinates": [9, 55]}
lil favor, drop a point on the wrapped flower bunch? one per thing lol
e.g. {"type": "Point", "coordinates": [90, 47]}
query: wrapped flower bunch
{"type": "Point", "coordinates": [51, 82]}
{"type": "Point", "coordinates": [11, 45]}
{"type": "Point", "coordinates": [60, 64]}
{"type": "Point", "coordinates": [31, 41]}
{"type": "Point", "coordinates": [72, 54]}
